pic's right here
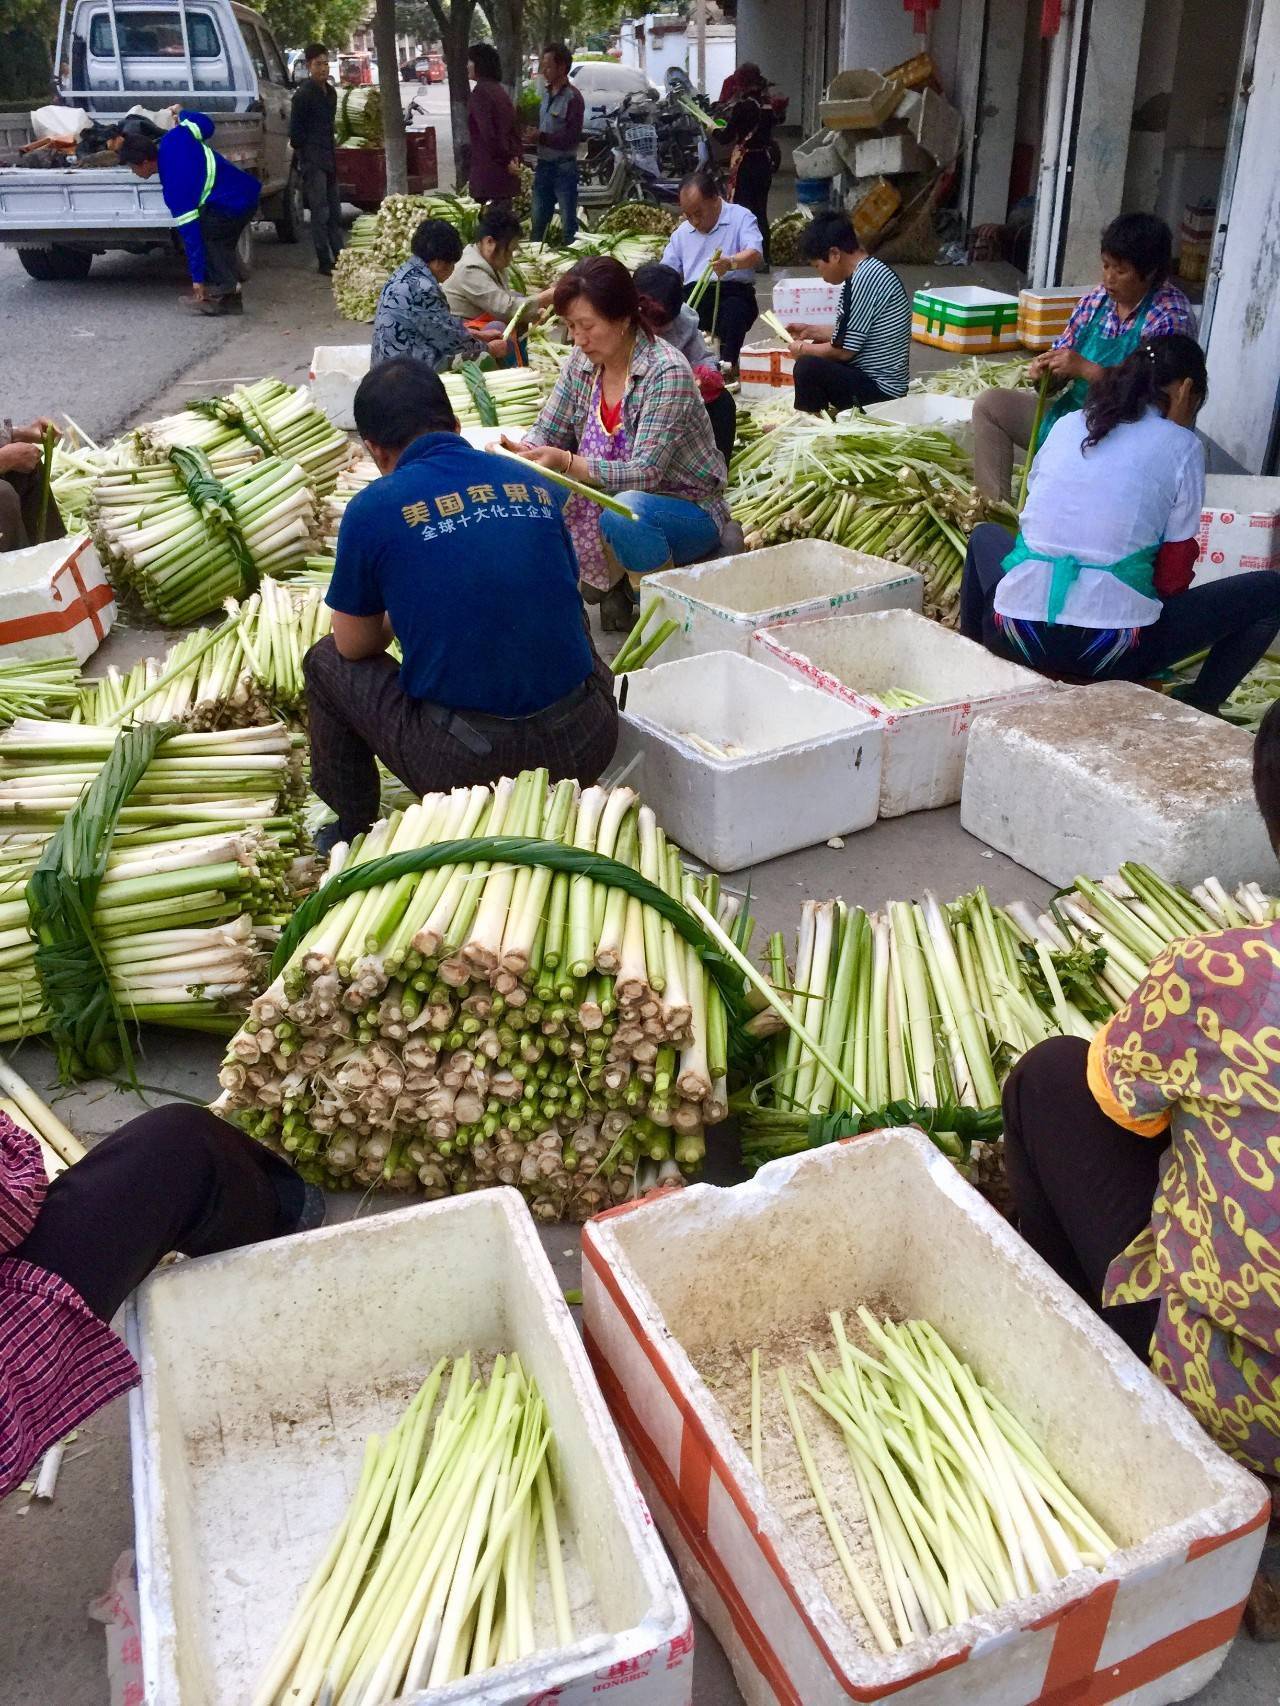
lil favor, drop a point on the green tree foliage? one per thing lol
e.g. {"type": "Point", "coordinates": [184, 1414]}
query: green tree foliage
{"type": "Point", "coordinates": [296, 22]}
{"type": "Point", "coordinates": [568, 20]}
{"type": "Point", "coordinates": [27, 29]}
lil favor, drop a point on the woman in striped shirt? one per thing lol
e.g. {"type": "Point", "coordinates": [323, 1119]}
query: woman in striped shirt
{"type": "Point", "coordinates": [866, 359]}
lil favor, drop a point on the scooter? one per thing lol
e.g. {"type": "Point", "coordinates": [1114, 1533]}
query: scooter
{"type": "Point", "coordinates": [622, 163]}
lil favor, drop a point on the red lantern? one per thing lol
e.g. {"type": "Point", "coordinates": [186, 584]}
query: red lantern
{"type": "Point", "coordinates": [921, 9]}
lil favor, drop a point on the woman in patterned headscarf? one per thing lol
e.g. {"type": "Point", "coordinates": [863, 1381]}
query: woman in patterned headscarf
{"type": "Point", "coordinates": [1145, 1166]}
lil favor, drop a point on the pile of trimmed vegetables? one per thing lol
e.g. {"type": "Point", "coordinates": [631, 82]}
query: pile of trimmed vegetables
{"type": "Point", "coordinates": [357, 123]}
{"type": "Point", "coordinates": [247, 671]}
{"type": "Point", "coordinates": [200, 873]}
{"type": "Point", "coordinates": [965, 1512]}
{"type": "Point", "coordinates": [358, 278]}
{"type": "Point", "coordinates": [399, 216]}
{"type": "Point", "coordinates": [184, 540]}
{"type": "Point", "coordinates": [899, 492]}
{"type": "Point", "coordinates": [38, 687]}
{"type": "Point", "coordinates": [470, 1019]}
{"type": "Point", "coordinates": [784, 237]}
{"type": "Point", "coordinates": [267, 418]}
{"type": "Point", "coordinates": [921, 1009]}
{"type": "Point", "coordinates": [433, 1574]}
{"type": "Point", "coordinates": [500, 396]}
{"type": "Point", "coordinates": [971, 378]}
{"type": "Point", "coordinates": [638, 218]}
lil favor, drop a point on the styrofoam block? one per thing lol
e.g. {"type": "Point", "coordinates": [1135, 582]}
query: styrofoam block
{"type": "Point", "coordinates": [55, 600]}
{"type": "Point", "coordinates": [1114, 772]}
{"type": "Point", "coordinates": [264, 1370]}
{"type": "Point", "coordinates": [1239, 526]}
{"type": "Point", "coordinates": [890, 155]}
{"type": "Point", "coordinates": [854, 657]}
{"type": "Point", "coordinates": [807, 301]}
{"type": "Point", "coordinates": [804, 767]}
{"type": "Point", "coordinates": [886, 1219]}
{"type": "Point", "coordinates": [336, 372]}
{"type": "Point", "coordinates": [952, 415]}
{"type": "Point", "coordinates": [720, 604]}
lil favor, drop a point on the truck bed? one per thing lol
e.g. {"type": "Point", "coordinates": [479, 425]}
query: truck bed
{"type": "Point", "coordinates": [103, 204]}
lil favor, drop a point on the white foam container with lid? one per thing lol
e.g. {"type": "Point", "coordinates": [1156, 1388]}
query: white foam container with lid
{"type": "Point", "coordinates": [336, 372]}
{"type": "Point", "coordinates": [855, 657]}
{"type": "Point", "coordinates": [804, 767]}
{"type": "Point", "coordinates": [887, 1221]}
{"type": "Point", "coordinates": [952, 415]}
{"type": "Point", "coordinates": [265, 1369]}
{"type": "Point", "coordinates": [720, 604]}
{"type": "Point", "coordinates": [806, 301]}
{"type": "Point", "coordinates": [55, 600]}
{"type": "Point", "coordinates": [1239, 525]}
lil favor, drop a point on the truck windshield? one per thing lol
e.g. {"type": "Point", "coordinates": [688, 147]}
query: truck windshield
{"type": "Point", "coordinates": [153, 35]}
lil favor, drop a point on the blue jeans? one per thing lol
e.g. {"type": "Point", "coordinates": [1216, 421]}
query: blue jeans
{"type": "Point", "coordinates": [666, 530]}
{"type": "Point", "coordinates": [555, 184]}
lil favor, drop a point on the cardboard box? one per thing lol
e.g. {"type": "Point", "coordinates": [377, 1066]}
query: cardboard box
{"type": "Point", "coordinates": [886, 1220]}
{"type": "Point", "coordinates": [55, 600]}
{"type": "Point", "coordinates": [265, 1369]}
{"type": "Point", "coordinates": [1239, 525]}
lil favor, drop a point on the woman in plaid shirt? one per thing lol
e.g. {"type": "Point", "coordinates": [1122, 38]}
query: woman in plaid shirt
{"type": "Point", "coordinates": [1134, 303]}
{"type": "Point", "coordinates": [626, 416]}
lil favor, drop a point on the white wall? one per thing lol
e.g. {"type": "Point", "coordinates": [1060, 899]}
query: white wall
{"type": "Point", "coordinates": [1244, 339]}
{"type": "Point", "coordinates": [770, 36]}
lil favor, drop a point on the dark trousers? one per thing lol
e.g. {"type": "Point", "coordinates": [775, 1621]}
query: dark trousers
{"type": "Point", "coordinates": [734, 316]}
{"type": "Point", "coordinates": [822, 382]}
{"type": "Point", "coordinates": [324, 204]}
{"type": "Point", "coordinates": [20, 512]}
{"type": "Point", "coordinates": [358, 712]}
{"type": "Point", "coordinates": [1237, 619]}
{"type": "Point", "coordinates": [176, 1178]}
{"type": "Point", "coordinates": [1082, 1185]}
{"type": "Point", "coordinates": [722, 412]}
{"type": "Point", "coordinates": [751, 190]}
{"type": "Point", "coordinates": [555, 186]}
{"type": "Point", "coordinates": [221, 233]}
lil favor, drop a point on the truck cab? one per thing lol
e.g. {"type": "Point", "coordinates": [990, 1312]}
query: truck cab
{"type": "Point", "coordinates": [216, 56]}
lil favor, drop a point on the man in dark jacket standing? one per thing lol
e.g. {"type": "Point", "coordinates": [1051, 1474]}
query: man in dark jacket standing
{"type": "Point", "coordinates": [315, 104]}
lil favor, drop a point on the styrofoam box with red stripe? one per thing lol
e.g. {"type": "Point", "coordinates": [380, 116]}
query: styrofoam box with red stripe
{"type": "Point", "coordinates": [265, 1370]}
{"type": "Point", "coordinates": [671, 1283]}
{"type": "Point", "coordinates": [1239, 526]}
{"type": "Point", "coordinates": [806, 301]}
{"type": "Point", "coordinates": [55, 600]}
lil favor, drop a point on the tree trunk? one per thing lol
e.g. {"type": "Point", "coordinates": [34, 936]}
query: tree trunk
{"type": "Point", "coordinates": [454, 24]}
{"type": "Point", "coordinates": [506, 20]}
{"type": "Point", "coordinates": [384, 41]}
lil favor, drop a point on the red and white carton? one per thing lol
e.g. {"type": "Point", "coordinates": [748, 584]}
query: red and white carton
{"type": "Point", "coordinates": [887, 1220]}
{"type": "Point", "coordinates": [55, 600]}
{"type": "Point", "coordinates": [806, 302]}
{"type": "Point", "coordinates": [1239, 525]}
{"type": "Point", "coordinates": [248, 1432]}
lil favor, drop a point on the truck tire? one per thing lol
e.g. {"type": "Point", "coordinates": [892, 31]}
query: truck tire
{"type": "Point", "coordinates": [57, 262]}
{"type": "Point", "coordinates": [293, 209]}
{"type": "Point", "coordinates": [244, 252]}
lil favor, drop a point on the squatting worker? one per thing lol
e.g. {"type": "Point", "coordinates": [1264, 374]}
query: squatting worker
{"type": "Point", "coordinates": [413, 317]}
{"type": "Point", "coordinates": [22, 486]}
{"type": "Point", "coordinates": [464, 559]}
{"type": "Point", "coordinates": [724, 235]}
{"type": "Point", "coordinates": [625, 416]}
{"type": "Point", "coordinates": [561, 113]}
{"type": "Point", "coordinates": [1134, 303]}
{"type": "Point", "coordinates": [479, 289]}
{"type": "Point", "coordinates": [1144, 1166]}
{"type": "Point", "coordinates": [311, 120]}
{"type": "Point", "coordinates": [866, 358]}
{"type": "Point", "coordinates": [211, 202]}
{"type": "Point", "coordinates": [1096, 583]}
{"type": "Point", "coordinates": [71, 1251]}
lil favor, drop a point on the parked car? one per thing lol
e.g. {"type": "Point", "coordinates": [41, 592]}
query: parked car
{"type": "Point", "coordinates": [605, 86]}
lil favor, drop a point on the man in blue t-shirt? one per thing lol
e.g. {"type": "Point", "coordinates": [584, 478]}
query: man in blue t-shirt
{"type": "Point", "coordinates": [462, 557]}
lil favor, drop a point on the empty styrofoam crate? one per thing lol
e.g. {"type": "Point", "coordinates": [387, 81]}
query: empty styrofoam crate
{"type": "Point", "coordinates": [336, 372]}
{"type": "Point", "coordinates": [855, 657]}
{"type": "Point", "coordinates": [1239, 525]}
{"type": "Point", "coordinates": [720, 604]}
{"type": "Point", "coordinates": [952, 415]}
{"type": "Point", "coordinates": [1113, 772]}
{"type": "Point", "coordinates": [806, 301]}
{"type": "Point", "coordinates": [265, 1369]}
{"type": "Point", "coordinates": [740, 765]}
{"type": "Point", "coordinates": [890, 155]}
{"type": "Point", "coordinates": [677, 1291]}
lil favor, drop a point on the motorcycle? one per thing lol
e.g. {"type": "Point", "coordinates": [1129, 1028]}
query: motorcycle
{"type": "Point", "coordinates": [623, 164]}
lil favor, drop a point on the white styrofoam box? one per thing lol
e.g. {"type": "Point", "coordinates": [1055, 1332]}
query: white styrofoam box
{"type": "Point", "coordinates": [336, 372]}
{"type": "Point", "coordinates": [806, 301]}
{"type": "Point", "coordinates": [804, 767]}
{"type": "Point", "coordinates": [55, 600]}
{"type": "Point", "coordinates": [1112, 772]}
{"type": "Point", "coordinates": [935, 124]}
{"type": "Point", "coordinates": [816, 156]}
{"type": "Point", "coordinates": [485, 437]}
{"type": "Point", "coordinates": [854, 657]}
{"type": "Point", "coordinates": [889, 155]}
{"type": "Point", "coordinates": [265, 1369]}
{"type": "Point", "coordinates": [1239, 525]}
{"type": "Point", "coordinates": [720, 604]}
{"type": "Point", "coordinates": [952, 415]}
{"type": "Point", "coordinates": [669, 1284]}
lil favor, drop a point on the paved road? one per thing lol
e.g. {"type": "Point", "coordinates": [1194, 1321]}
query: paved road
{"type": "Point", "coordinates": [105, 350]}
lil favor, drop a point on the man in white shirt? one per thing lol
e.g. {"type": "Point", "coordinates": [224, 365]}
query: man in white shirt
{"type": "Point", "coordinates": [726, 236]}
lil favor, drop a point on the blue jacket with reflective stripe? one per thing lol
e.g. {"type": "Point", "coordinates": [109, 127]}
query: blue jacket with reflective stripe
{"type": "Point", "coordinates": [182, 179]}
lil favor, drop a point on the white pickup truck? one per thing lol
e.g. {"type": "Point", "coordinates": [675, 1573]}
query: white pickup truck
{"type": "Point", "coordinates": [215, 56]}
